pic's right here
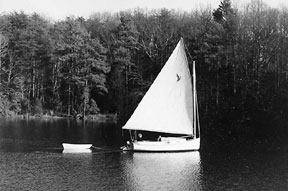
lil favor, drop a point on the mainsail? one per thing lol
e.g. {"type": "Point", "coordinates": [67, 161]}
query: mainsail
{"type": "Point", "coordinates": [168, 104]}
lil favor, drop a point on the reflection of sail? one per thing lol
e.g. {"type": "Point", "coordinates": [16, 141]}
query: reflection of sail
{"type": "Point", "coordinates": [164, 171]}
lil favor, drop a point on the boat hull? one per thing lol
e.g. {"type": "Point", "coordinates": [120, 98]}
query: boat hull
{"type": "Point", "coordinates": [76, 148]}
{"type": "Point", "coordinates": [166, 145]}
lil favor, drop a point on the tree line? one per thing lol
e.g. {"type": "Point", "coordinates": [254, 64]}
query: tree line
{"type": "Point", "coordinates": [107, 62]}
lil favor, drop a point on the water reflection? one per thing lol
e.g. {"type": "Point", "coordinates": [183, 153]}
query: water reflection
{"type": "Point", "coordinates": [41, 134]}
{"type": "Point", "coordinates": [163, 171]}
{"type": "Point", "coordinates": [28, 161]}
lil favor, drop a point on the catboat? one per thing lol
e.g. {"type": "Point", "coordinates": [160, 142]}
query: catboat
{"type": "Point", "coordinates": [169, 107]}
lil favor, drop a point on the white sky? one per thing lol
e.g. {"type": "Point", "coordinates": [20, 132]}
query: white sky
{"type": "Point", "coordinates": [60, 9]}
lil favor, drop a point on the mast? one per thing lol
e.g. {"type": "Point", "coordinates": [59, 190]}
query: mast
{"type": "Point", "coordinates": [194, 100]}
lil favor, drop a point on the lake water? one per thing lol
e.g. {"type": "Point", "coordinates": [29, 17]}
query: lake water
{"type": "Point", "coordinates": [31, 158]}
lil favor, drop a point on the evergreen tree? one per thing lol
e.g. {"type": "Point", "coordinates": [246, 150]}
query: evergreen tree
{"type": "Point", "coordinates": [82, 62]}
{"type": "Point", "coordinates": [124, 50]}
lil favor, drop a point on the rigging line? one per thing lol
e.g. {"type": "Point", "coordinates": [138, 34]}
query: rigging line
{"type": "Point", "coordinates": [103, 149]}
{"type": "Point", "coordinates": [197, 112]}
{"type": "Point", "coordinates": [177, 53]}
{"type": "Point", "coordinates": [131, 137]}
{"type": "Point", "coordinates": [189, 52]}
{"type": "Point", "coordinates": [186, 56]}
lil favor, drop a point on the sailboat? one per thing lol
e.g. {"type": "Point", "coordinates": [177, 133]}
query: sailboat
{"type": "Point", "coordinates": [169, 107]}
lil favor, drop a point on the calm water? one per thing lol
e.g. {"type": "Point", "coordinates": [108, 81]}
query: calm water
{"type": "Point", "coordinates": [31, 158]}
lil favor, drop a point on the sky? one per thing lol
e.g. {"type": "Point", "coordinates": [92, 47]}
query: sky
{"type": "Point", "coordinates": [60, 9]}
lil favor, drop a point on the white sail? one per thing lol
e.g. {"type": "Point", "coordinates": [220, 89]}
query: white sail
{"type": "Point", "coordinates": [168, 104]}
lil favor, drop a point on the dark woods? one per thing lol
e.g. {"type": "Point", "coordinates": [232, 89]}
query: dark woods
{"type": "Point", "coordinates": [106, 64]}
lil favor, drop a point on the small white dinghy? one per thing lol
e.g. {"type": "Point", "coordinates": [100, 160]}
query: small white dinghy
{"type": "Point", "coordinates": [76, 148]}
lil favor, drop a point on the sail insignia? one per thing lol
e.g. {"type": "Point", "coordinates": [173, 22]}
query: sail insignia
{"type": "Point", "coordinates": [178, 77]}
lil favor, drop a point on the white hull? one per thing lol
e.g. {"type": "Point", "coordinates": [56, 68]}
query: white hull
{"type": "Point", "coordinates": [76, 148]}
{"type": "Point", "coordinates": [166, 145]}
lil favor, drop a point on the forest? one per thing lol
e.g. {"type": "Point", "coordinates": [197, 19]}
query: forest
{"type": "Point", "coordinates": [106, 63]}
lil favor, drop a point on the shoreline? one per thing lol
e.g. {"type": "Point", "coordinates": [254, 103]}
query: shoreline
{"type": "Point", "coordinates": [111, 118]}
